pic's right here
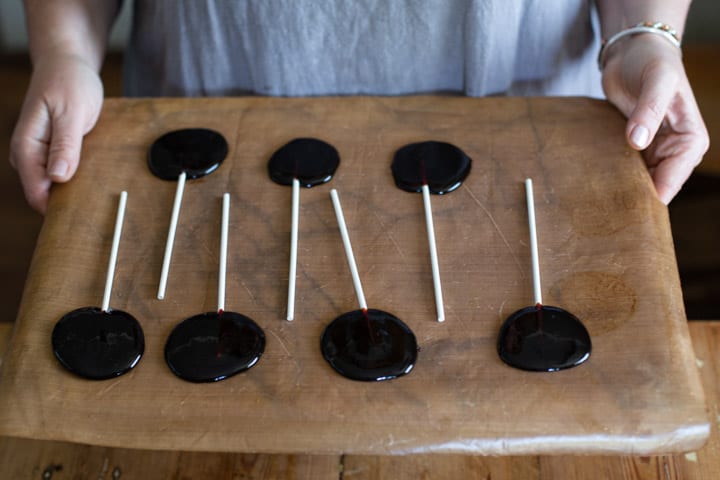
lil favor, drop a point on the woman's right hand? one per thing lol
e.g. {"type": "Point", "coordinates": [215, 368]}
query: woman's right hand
{"type": "Point", "coordinates": [62, 104]}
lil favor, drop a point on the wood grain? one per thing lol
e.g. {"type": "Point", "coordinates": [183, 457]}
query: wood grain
{"type": "Point", "coordinates": [21, 458]}
{"type": "Point", "coordinates": [703, 464]}
{"type": "Point", "coordinates": [606, 255]}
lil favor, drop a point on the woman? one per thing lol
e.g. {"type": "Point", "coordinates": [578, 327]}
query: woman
{"type": "Point", "coordinates": [337, 47]}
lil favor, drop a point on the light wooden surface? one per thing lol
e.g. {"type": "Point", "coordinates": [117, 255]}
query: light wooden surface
{"type": "Point", "coordinates": [606, 255]}
{"type": "Point", "coordinates": [702, 63]}
{"type": "Point", "coordinates": [21, 458]}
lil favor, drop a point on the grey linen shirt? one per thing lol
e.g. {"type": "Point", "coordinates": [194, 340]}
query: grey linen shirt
{"type": "Point", "coordinates": [353, 47]}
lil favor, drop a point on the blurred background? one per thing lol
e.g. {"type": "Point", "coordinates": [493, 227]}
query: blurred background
{"type": "Point", "coordinates": [695, 213]}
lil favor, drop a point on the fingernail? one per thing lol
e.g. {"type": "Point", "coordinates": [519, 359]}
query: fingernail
{"type": "Point", "coordinates": [640, 136]}
{"type": "Point", "coordinates": [59, 169]}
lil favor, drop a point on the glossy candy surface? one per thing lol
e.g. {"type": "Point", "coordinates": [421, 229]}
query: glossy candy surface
{"type": "Point", "coordinates": [212, 346]}
{"type": "Point", "coordinates": [98, 345]}
{"type": "Point", "coordinates": [195, 151]}
{"type": "Point", "coordinates": [543, 338]}
{"type": "Point", "coordinates": [369, 345]}
{"type": "Point", "coordinates": [310, 160]}
{"type": "Point", "coordinates": [441, 165]}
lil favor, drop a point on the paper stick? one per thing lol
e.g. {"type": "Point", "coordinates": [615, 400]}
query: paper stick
{"type": "Point", "coordinates": [171, 235]}
{"type": "Point", "coordinates": [114, 251]}
{"type": "Point", "coordinates": [293, 248]}
{"type": "Point", "coordinates": [533, 241]}
{"type": "Point", "coordinates": [433, 254]}
{"type": "Point", "coordinates": [223, 251]}
{"type": "Point", "coordinates": [348, 249]}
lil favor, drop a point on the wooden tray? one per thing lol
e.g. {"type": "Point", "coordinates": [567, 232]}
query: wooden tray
{"type": "Point", "coordinates": [606, 255]}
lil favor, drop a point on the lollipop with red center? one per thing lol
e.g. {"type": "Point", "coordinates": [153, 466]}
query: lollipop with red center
{"type": "Point", "coordinates": [366, 344]}
{"type": "Point", "coordinates": [540, 337]}
{"type": "Point", "coordinates": [213, 346]}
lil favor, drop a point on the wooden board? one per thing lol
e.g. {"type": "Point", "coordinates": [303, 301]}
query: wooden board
{"type": "Point", "coordinates": [606, 255]}
{"type": "Point", "coordinates": [21, 458]}
{"type": "Point", "coordinates": [703, 464]}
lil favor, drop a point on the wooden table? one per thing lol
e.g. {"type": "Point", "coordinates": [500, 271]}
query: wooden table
{"type": "Point", "coordinates": [606, 255]}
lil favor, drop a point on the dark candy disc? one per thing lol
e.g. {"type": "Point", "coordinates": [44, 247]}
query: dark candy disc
{"type": "Point", "coordinates": [441, 165]}
{"type": "Point", "coordinates": [310, 160]}
{"type": "Point", "coordinates": [98, 345]}
{"type": "Point", "coordinates": [195, 151]}
{"type": "Point", "coordinates": [543, 338]}
{"type": "Point", "coordinates": [369, 345]}
{"type": "Point", "coordinates": [212, 346]}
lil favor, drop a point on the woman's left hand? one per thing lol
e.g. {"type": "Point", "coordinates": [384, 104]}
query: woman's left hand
{"type": "Point", "coordinates": [644, 77]}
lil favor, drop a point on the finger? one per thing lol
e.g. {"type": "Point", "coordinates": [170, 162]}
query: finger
{"type": "Point", "coordinates": [33, 176]}
{"type": "Point", "coordinates": [683, 147]}
{"type": "Point", "coordinates": [655, 96]}
{"type": "Point", "coordinates": [670, 173]}
{"type": "Point", "coordinates": [28, 155]}
{"type": "Point", "coordinates": [669, 177]}
{"type": "Point", "coordinates": [37, 191]}
{"type": "Point", "coordinates": [65, 145]}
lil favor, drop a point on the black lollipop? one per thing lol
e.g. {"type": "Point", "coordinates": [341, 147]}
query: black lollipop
{"type": "Point", "coordinates": [301, 162]}
{"type": "Point", "coordinates": [431, 167]}
{"type": "Point", "coordinates": [100, 343]}
{"type": "Point", "coordinates": [366, 344]}
{"type": "Point", "coordinates": [179, 155]}
{"type": "Point", "coordinates": [541, 337]}
{"type": "Point", "coordinates": [213, 346]}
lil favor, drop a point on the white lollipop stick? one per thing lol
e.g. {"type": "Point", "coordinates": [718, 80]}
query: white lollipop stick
{"type": "Point", "coordinates": [171, 235]}
{"type": "Point", "coordinates": [533, 241]}
{"type": "Point", "coordinates": [223, 251]}
{"type": "Point", "coordinates": [439, 306]}
{"type": "Point", "coordinates": [348, 249]}
{"type": "Point", "coordinates": [293, 248]}
{"type": "Point", "coordinates": [114, 251]}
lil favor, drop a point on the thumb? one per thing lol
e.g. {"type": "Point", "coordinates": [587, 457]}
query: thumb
{"type": "Point", "coordinates": [656, 93]}
{"type": "Point", "coordinates": [65, 145]}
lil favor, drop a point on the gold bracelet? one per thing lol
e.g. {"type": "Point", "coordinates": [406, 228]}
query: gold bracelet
{"type": "Point", "coordinates": [658, 28]}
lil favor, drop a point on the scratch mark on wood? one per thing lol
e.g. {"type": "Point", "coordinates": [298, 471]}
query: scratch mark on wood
{"type": "Point", "coordinates": [392, 239]}
{"type": "Point", "coordinates": [497, 228]}
{"type": "Point", "coordinates": [280, 342]}
{"type": "Point", "coordinates": [252, 297]}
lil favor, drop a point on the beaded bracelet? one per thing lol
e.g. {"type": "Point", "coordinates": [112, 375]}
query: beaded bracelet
{"type": "Point", "coordinates": [658, 28]}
